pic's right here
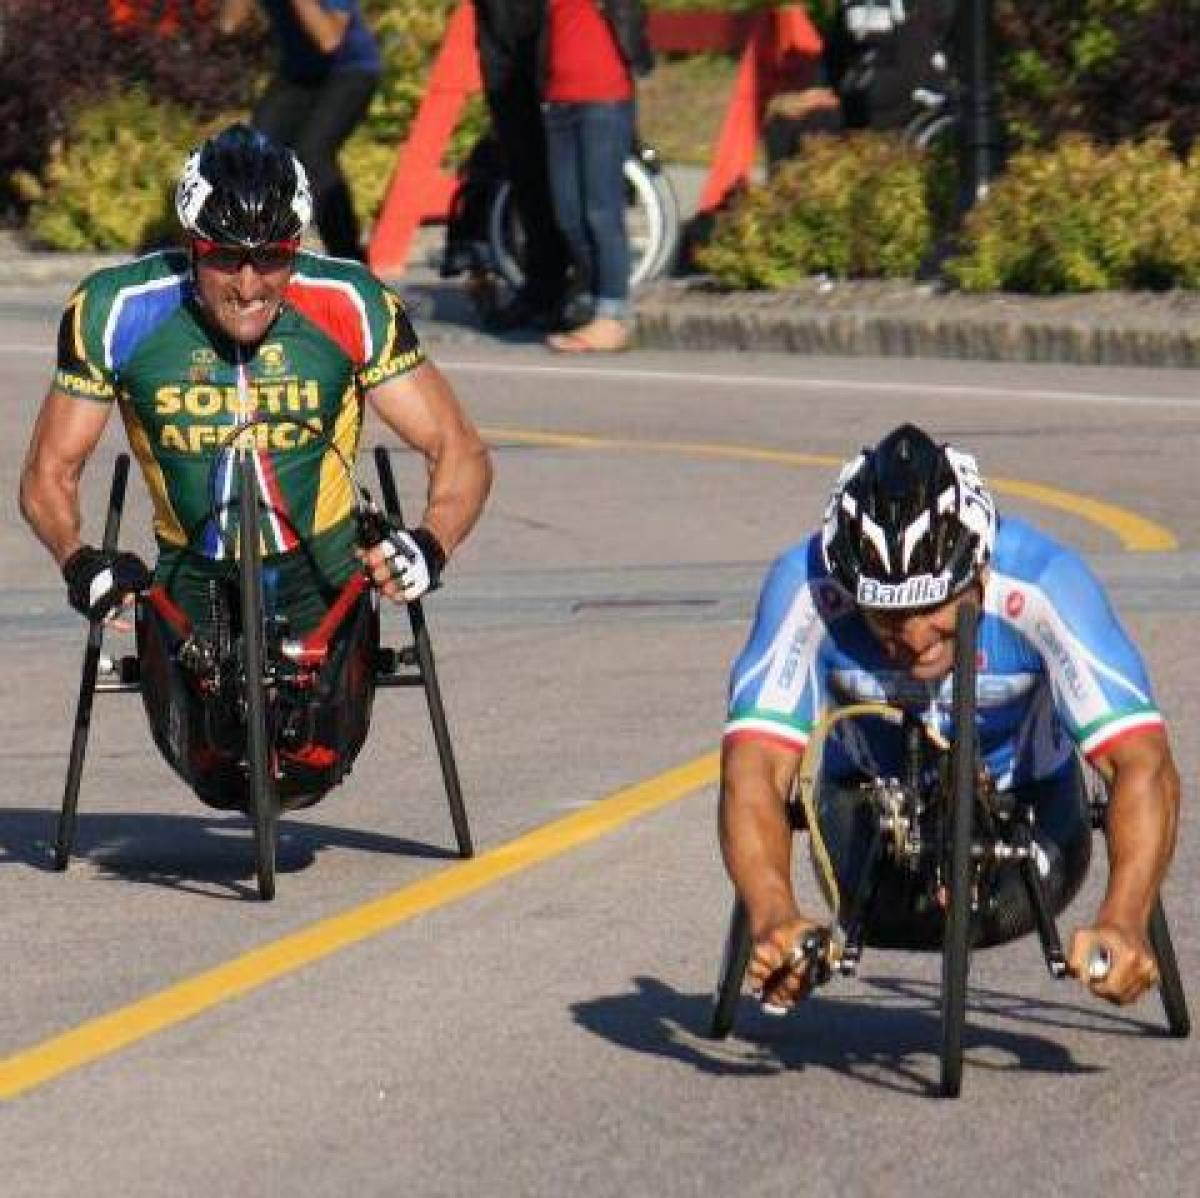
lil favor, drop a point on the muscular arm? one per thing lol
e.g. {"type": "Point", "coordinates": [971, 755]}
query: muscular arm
{"type": "Point", "coordinates": [325, 28]}
{"type": "Point", "coordinates": [756, 839]}
{"type": "Point", "coordinates": [232, 15]}
{"type": "Point", "coordinates": [65, 435]}
{"type": "Point", "coordinates": [1143, 812]}
{"type": "Point", "coordinates": [756, 844]}
{"type": "Point", "coordinates": [422, 409]}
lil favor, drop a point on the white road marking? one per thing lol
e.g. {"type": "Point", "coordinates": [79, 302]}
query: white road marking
{"type": "Point", "coordinates": [949, 390]}
{"type": "Point", "coordinates": [779, 382]}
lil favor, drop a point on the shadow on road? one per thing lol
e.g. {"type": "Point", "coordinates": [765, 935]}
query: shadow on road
{"type": "Point", "coordinates": [889, 1037]}
{"type": "Point", "coordinates": [211, 855]}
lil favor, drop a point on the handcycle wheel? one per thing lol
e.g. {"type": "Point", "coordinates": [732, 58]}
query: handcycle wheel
{"type": "Point", "coordinates": [263, 806]}
{"type": "Point", "coordinates": [64, 838]}
{"type": "Point", "coordinates": [423, 648]}
{"type": "Point", "coordinates": [956, 945]}
{"type": "Point", "coordinates": [1170, 984]}
{"type": "Point", "coordinates": [733, 969]}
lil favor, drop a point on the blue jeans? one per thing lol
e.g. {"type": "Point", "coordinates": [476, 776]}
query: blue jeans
{"type": "Point", "coordinates": [586, 146]}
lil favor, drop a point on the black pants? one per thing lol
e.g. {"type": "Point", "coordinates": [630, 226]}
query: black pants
{"type": "Point", "coordinates": [516, 113]}
{"type": "Point", "coordinates": [314, 119]}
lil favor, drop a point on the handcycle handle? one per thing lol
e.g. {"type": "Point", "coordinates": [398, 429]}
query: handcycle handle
{"type": "Point", "coordinates": [1098, 964]}
{"type": "Point", "coordinates": [817, 953]}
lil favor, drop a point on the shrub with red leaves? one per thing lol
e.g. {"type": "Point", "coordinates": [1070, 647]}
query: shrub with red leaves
{"type": "Point", "coordinates": [1108, 70]}
{"type": "Point", "coordinates": [53, 57]}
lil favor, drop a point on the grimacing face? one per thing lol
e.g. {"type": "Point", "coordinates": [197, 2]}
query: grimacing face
{"type": "Point", "coordinates": [921, 642]}
{"type": "Point", "coordinates": [242, 302]}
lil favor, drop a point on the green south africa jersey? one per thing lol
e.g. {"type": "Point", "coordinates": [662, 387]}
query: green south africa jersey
{"type": "Point", "coordinates": [134, 334]}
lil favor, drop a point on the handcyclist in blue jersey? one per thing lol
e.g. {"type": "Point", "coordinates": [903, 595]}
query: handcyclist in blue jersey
{"type": "Point", "coordinates": [865, 611]}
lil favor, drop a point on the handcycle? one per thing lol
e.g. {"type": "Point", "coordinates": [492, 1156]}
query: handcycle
{"type": "Point", "coordinates": [249, 717]}
{"type": "Point", "coordinates": [938, 860]}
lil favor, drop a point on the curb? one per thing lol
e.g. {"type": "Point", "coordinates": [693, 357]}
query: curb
{"type": "Point", "coordinates": [44, 268]}
{"type": "Point", "coordinates": [903, 319]}
{"type": "Point", "coordinates": [873, 334]}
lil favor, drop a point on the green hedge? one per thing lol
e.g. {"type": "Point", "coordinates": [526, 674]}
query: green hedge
{"type": "Point", "coordinates": [1084, 218]}
{"type": "Point", "coordinates": [107, 180]}
{"type": "Point", "coordinates": [1076, 217]}
{"type": "Point", "coordinates": [851, 207]}
{"type": "Point", "coordinates": [109, 184]}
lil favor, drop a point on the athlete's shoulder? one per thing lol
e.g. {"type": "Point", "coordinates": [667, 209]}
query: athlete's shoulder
{"type": "Point", "coordinates": [348, 303]}
{"type": "Point", "coordinates": [105, 288]}
{"type": "Point", "coordinates": [798, 562]}
{"type": "Point", "coordinates": [800, 569]}
{"type": "Point", "coordinates": [1036, 575]}
{"type": "Point", "coordinates": [1027, 553]}
{"type": "Point", "coordinates": [337, 275]}
{"type": "Point", "coordinates": [114, 308]}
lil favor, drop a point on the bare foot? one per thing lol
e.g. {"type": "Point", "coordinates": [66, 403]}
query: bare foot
{"type": "Point", "coordinates": [604, 334]}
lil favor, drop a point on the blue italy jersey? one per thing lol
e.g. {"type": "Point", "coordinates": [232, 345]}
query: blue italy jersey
{"type": "Point", "coordinates": [1056, 669]}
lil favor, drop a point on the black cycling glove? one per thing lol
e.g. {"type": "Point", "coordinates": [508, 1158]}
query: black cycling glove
{"type": "Point", "coordinates": [98, 579]}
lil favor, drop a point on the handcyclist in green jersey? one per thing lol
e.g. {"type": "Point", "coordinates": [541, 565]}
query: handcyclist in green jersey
{"type": "Point", "coordinates": [242, 326]}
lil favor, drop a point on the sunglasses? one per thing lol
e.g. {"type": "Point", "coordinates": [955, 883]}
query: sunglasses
{"type": "Point", "coordinates": [272, 255]}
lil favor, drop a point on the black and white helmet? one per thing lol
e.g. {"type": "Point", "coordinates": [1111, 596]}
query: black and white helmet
{"type": "Point", "coordinates": [241, 188]}
{"type": "Point", "coordinates": [909, 524]}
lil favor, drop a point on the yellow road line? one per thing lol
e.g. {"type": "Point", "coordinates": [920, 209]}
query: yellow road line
{"type": "Point", "coordinates": [109, 1033]}
{"type": "Point", "coordinates": [1133, 531]}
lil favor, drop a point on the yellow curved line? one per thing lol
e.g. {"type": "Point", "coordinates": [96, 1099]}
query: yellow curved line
{"type": "Point", "coordinates": [1135, 532]}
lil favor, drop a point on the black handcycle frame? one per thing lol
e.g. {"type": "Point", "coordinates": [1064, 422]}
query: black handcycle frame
{"type": "Point", "coordinates": [411, 665]}
{"type": "Point", "coordinates": [969, 842]}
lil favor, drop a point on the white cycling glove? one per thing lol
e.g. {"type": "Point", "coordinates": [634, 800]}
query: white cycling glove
{"type": "Point", "coordinates": [415, 559]}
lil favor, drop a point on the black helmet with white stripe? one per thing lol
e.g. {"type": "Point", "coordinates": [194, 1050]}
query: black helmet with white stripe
{"type": "Point", "coordinates": [910, 523]}
{"type": "Point", "coordinates": [241, 188]}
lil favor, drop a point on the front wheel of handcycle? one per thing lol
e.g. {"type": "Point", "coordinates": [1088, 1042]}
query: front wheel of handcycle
{"type": "Point", "coordinates": [1170, 983]}
{"type": "Point", "coordinates": [263, 804]}
{"type": "Point", "coordinates": [959, 835]}
{"type": "Point", "coordinates": [733, 969]}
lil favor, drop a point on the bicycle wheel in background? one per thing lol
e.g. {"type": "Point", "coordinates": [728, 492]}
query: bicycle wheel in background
{"type": "Point", "coordinates": [959, 834]}
{"type": "Point", "coordinates": [651, 220]}
{"type": "Point", "coordinates": [668, 204]}
{"type": "Point", "coordinates": [932, 130]}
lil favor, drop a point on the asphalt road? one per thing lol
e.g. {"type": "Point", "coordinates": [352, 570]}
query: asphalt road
{"type": "Point", "coordinates": [533, 1023]}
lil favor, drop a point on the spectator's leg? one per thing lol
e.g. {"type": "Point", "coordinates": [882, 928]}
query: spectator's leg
{"type": "Point", "coordinates": [282, 110]}
{"type": "Point", "coordinates": [516, 113]}
{"type": "Point", "coordinates": [341, 103]}
{"type": "Point", "coordinates": [605, 141]}
{"type": "Point", "coordinates": [563, 159]}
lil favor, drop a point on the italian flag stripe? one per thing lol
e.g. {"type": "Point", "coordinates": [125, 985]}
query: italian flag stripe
{"type": "Point", "coordinates": [1098, 737]}
{"type": "Point", "coordinates": [767, 729]}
